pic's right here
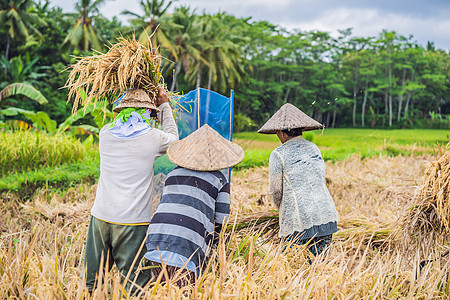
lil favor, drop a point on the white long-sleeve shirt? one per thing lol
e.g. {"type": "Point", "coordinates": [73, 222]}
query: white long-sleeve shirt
{"type": "Point", "coordinates": [124, 191]}
{"type": "Point", "coordinates": [298, 189]}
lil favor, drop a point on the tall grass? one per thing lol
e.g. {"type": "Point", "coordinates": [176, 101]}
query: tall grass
{"type": "Point", "coordinates": [42, 244]}
{"type": "Point", "coordinates": [29, 150]}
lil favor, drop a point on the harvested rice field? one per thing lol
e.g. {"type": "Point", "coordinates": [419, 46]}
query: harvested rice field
{"type": "Point", "coordinates": [42, 243]}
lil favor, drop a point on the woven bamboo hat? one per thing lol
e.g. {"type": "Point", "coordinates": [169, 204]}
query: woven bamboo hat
{"type": "Point", "coordinates": [205, 150]}
{"type": "Point", "coordinates": [137, 98]}
{"type": "Point", "coordinates": [289, 117]}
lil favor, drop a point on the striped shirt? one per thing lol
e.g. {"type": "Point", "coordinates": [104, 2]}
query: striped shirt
{"type": "Point", "coordinates": [193, 207]}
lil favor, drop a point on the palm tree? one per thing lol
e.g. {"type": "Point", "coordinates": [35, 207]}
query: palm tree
{"type": "Point", "coordinates": [147, 25]}
{"type": "Point", "coordinates": [19, 21]}
{"type": "Point", "coordinates": [220, 52]}
{"type": "Point", "coordinates": [83, 35]}
{"type": "Point", "coordinates": [183, 36]}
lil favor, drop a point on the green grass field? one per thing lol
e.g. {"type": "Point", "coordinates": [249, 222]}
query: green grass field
{"type": "Point", "coordinates": [340, 144]}
{"type": "Point", "coordinates": [335, 145]}
{"type": "Point", "coordinates": [362, 137]}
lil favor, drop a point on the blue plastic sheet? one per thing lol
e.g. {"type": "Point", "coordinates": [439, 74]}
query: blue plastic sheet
{"type": "Point", "coordinates": [197, 108]}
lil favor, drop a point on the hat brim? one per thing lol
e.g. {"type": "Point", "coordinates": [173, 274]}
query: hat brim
{"type": "Point", "coordinates": [205, 150]}
{"type": "Point", "coordinates": [289, 117]}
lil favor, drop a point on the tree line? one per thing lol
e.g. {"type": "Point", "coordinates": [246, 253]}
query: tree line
{"type": "Point", "coordinates": [384, 81]}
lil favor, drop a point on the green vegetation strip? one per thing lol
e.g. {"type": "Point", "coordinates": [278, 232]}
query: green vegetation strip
{"type": "Point", "coordinates": [341, 144]}
{"type": "Point", "coordinates": [362, 137]}
{"type": "Point", "coordinates": [82, 163]}
{"type": "Point", "coordinates": [23, 151]}
{"type": "Point", "coordinates": [63, 176]}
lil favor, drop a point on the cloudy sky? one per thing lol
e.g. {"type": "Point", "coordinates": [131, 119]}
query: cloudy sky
{"type": "Point", "coordinates": [426, 20]}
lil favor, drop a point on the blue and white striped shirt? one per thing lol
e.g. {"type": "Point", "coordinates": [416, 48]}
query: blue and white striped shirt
{"type": "Point", "coordinates": [193, 207]}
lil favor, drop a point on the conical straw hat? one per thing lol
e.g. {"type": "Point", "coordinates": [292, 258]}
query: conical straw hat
{"type": "Point", "coordinates": [289, 117]}
{"type": "Point", "coordinates": [205, 150]}
{"type": "Point", "coordinates": [137, 98]}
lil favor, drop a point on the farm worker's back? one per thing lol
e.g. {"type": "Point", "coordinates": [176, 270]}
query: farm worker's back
{"type": "Point", "coordinates": [307, 213]}
{"type": "Point", "coordinates": [194, 205]}
{"type": "Point", "coordinates": [123, 203]}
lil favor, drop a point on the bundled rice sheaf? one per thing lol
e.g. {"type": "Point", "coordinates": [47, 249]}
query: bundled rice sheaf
{"type": "Point", "coordinates": [429, 214]}
{"type": "Point", "coordinates": [128, 64]}
{"type": "Point", "coordinates": [267, 224]}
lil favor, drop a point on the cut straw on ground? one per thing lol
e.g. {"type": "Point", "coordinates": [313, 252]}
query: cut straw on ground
{"type": "Point", "coordinates": [42, 244]}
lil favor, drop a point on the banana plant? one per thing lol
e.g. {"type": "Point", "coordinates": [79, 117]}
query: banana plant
{"type": "Point", "coordinates": [100, 114]}
{"type": "Point", "coordinates": [40, 119]}
{"type": "Point", "coordinates": [43, 122]}
{"type": "Point", "coordinates": [22, 88]}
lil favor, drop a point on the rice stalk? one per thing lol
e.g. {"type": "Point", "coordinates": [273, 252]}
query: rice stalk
{"type": "Point", "coordinates": [28, 150]}
{"type": "Point", "coordinates": [128, 64]}
{"type": "Point", "coordinates": [427, 217]}
{"type": "Point", "coordinates": [368, 195]}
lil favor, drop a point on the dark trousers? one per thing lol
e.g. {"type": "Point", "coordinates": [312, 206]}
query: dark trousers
{"type": "Point", "coordinates": [109, 243]}
{"type": "Point", "coordinates": [185, 277]}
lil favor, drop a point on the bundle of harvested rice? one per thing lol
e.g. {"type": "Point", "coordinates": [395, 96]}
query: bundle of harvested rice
{"type": "Point", "coordinates": [259, 221]}
{"type": "Point", "coordinates": [128, 64]}
{"type": "Point", "coordinates": [429, 213]}
{"type": "Point", "coordinates": [267, 223]}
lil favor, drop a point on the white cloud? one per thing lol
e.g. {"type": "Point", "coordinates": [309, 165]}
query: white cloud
{"type": "Point", "coordinates": [370, 22]}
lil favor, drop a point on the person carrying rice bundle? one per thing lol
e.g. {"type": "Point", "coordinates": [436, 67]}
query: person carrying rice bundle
{"type": "Point", "coordinates": [128, 148]}
{"type": "Point", "coordinates": [194, 205]}
{"type": "Point", "coordinates": [307, 214]}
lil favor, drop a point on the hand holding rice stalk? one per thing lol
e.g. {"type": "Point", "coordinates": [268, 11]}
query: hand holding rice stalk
{"type": "Point", "coordinates": [128, 64]}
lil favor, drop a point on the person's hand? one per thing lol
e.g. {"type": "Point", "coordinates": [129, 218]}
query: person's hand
{"type": "Point", "coordinates": [162, 96]}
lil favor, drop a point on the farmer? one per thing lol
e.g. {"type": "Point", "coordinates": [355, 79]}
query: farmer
{"type": "Point", "coordinates": [194, 205]}
{"type": "Point", "coordinates": [123, 206]}
{"type": "Point", "coordinates": [297, 186]}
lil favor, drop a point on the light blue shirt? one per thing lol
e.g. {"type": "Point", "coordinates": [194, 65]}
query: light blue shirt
{"type": "Point", "coordinates": [171, 259]}
{"type": "Point", "coordinates": [134, 126]}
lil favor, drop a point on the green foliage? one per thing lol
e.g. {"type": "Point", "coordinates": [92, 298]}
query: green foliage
{"type": "Point", "coordinates": [254, 158]}
{"type": "Point", "coordinates": [254, 136]}
{"type": "Point", "coordinates": [383, 81]}
{"type": "Point", "coordinates": [58, 109]}
{"type": "Point", "coordinates": [163, 165]}
{"type": "Point", "coordinates": [19, 21]}
{"type": "Point", "coordinates": [18, 69]}
{"type": "Point", "coordinates": [56, 177]}
{"type": "Point", "coordinates": [309, 136]}
{"type": "Point", "coordinates": [100, 116]}
{"type": "Point", "coordinates": [83, 35]}
{"type": "Point", "coordinates": [25, 89]}
{"type": "Point", "coordinates": [39, 119]}
{"type": "Point", "coordinates": [28, 150]}
{"type": "Point", "coordinates": [375, 138]}
{"type": "Point", "coordinates": [241, 122]}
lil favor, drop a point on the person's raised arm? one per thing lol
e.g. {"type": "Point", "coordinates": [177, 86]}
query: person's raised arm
{"type": "Point", "coordinates": [275, 178]}
{"type": "Point", "coordinates": [168, 125]}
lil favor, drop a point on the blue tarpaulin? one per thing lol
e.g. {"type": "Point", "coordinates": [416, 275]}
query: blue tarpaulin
{"type": "Point", "coordinates": [197, 108]}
